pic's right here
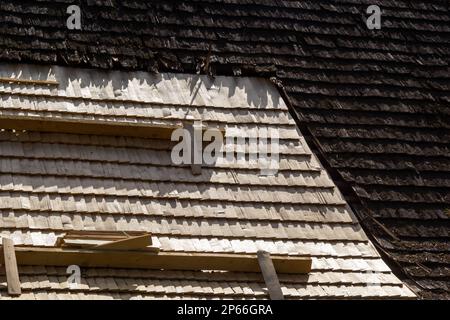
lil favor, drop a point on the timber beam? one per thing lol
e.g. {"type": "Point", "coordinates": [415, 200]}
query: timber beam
{"type": "Point", "coordinates": [151, 259]}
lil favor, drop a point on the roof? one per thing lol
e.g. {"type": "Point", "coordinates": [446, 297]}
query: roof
{"type": "Point", "coordinates": [373, 103]}
{"type": "Point", "coordinates": [54, 182]}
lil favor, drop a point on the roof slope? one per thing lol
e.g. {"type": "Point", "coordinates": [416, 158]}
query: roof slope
{"type": "Point", "coordinates": [376, 101]}
{"type": "Point", "coordinates": [51, 183]}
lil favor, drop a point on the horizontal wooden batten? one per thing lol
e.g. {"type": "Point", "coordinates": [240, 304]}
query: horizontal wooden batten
{"type": "Point", "coordinates": [155, 131]}
{"type": "Point", "coordinates": [149, 259]}
{"type": "Point", "coordinates": [29, 81]}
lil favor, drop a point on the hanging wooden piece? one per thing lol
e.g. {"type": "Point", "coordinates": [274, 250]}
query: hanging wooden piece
{"type": "Point", "coordinates": [270, 276]}
{"type": "Point", "coordinates": [12, 272]}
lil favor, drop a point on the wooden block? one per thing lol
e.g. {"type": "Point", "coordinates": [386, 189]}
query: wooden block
{"type": "Point", "coordinates": [12, 272]}
{"type": "Point", "coordinates": [270, 275]}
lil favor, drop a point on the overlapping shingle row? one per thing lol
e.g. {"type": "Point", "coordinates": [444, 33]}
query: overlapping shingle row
{"type": "Point", "coordinates": [375, 100]}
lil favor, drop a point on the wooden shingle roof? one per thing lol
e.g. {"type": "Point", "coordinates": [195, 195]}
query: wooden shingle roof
{"type": "Point", "coordinates": [53, 182]}
{"type": "Point", "coordinates": [373, 102]}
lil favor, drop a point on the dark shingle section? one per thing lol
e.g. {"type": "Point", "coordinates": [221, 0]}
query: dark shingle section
{"type": "Point", "coordinates": [377, 103]}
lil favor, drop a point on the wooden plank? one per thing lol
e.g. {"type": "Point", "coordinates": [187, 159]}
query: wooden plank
{"type": "Point", "coordinates": [12, 272]}
{"type": "Point", "coordinates": [106, 240]}
{"type": "Point", "coordinates": [92, 244]}
{"type": "Point", "coordinates": [29, 81]}
{"type": "Point", "coordinates": [154, 260]}
{"type": "Point", "coordinates": [131, 243]}
{"type": "Point", "coordinates": [80, 243]}
{"type": "Point", "coordinates": [103, 235]}
{"type": "Point", "coordinates": [270, 275]}
{"type": "Point", "coordinates": [97, 127]}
